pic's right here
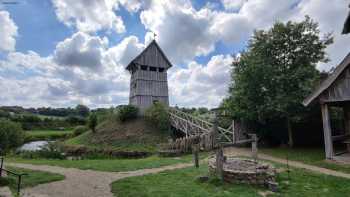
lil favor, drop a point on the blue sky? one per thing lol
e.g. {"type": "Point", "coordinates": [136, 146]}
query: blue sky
{"type": "Point", "coordinates": [61, 53]}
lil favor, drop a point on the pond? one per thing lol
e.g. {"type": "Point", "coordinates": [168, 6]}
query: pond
{"type": "Point", "coordinates": [33, 146]}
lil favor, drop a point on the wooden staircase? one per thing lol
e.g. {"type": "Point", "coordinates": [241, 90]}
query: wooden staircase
{"type": "Point", "coordinates": [197, 131]}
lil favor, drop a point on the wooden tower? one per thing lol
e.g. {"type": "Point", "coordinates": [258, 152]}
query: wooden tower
{"type": "Point", "coordinates": [149, 82]}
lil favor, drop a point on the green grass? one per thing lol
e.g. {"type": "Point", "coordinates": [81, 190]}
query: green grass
{"type": "Point", "coordinates": [132, 135]}
{"type": "Point", "coordinates": [312, 156]}
{"type": "Point", "coordinates": [32, 178]}
{"type": "Point", "coordinates": [122, 145]}
{"type": "Point", "coordinates": [35, 135]}
{"type": "Point", "coordinates": [183, 183]}
{"type": "Point", "coordinates": [112, 165]}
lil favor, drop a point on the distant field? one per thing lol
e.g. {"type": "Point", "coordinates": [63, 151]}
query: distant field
{"type": "Point", "coordinates": [52, 117]}
{"type": "Point", "coordinates": [35, 135]}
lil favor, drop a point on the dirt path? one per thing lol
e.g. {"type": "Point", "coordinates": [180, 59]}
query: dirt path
{"type": "Point", "coordinates": [83, 183]}
{"type": "Point", "coordinates": [246, 152]}
{"type": "Point", "coordinates": [86, 183]}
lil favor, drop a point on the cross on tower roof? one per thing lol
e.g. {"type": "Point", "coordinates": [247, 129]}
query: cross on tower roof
{"type": "Point", "coordinates": [154, 35]}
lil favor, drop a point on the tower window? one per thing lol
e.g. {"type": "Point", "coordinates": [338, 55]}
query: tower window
{"type": "Point", "coordinates": [151, 68]}
{"type": "Point", "coordinates": [143, 67]}
{"type": "Point", "coordinates": [161, 70]}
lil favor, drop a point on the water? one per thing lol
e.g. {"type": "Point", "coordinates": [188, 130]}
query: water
{"type": "Point", "coordinates": [33, 146]}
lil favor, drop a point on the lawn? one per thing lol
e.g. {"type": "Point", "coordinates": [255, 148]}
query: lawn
{"type": "Point", "coordinates": [32, 178]}
{"type": "Point", "coordinates": [312, 156]}
{"type": "Point", "coordinates": [112, 165]}
{"type": "Point", "coordinates": [183, 183]}
{"type": "Point", "coordinates": [35, 135]}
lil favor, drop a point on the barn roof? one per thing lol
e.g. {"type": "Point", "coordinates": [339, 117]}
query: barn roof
{"type": "Point", "coordinates": [328, 82]}
{"type": "Point", "coordinates": [147, 56]}
{"type": "Point", "coordinates": [346, 28]}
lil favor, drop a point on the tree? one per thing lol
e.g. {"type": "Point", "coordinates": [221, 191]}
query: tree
{"type": "Point", "coordinates": [93, 122]}
{"type": "Point", "coordinates": [276, 72]}
{"type": "Point", "coordinates": [11, 134]}
{"type": "Point", "coordinates": [158, 115]}
{"type": "Point", "coordinates": [82, 110]}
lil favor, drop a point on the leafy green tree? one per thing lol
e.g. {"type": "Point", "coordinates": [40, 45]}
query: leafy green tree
{"type": "Point", "coordinates": [11, 134]}
{"type": "Point", "coordinates": [276, 72]}
{"type": "Point", "coordinates": [127, 112]}
{"type": "Point", "coordinates": [82, 110]}
{"type": "Point", "coordinates": [93, 122]}
{"type": "Point", "coordinates": [157, 115]}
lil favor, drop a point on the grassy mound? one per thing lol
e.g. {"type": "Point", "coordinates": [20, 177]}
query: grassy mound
{"type": "Point", "coordinates": [132, 135]}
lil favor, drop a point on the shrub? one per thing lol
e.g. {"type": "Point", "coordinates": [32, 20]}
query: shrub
{"type": "Point", "coordinates": [11, 134]}
{"type": "Point", "coordinates": [127, 112]}
{"type": "Point", "coordinates": [79, 130]}
{"type": "Point", "coordinates": [92, 122]}
{"type": "Point", "coordinates": [157, 114]}
{"type": "Point", "coordinates": [4, 181]}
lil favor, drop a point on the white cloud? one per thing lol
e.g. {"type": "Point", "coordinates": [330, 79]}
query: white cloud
{"type": "Point", "coordinates": [81, 50]}
{"type": "Point", "coordinates": [181, 31]}
{"type": "Point", "coordinates": [331, 19]}
{"type": "Point", "coordinates": [200, 85]}
{"type": "Point", "coordinates": [8, 32]}
{"type": "Point", "coordinates": [30, 80]}
{"type": "Point", "coordinates": [233, 4]}
{"type": "Point", "coordinates": [89, 15]}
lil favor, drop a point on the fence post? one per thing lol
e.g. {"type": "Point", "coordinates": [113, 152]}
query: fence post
{"type": "Point", "coordinates": [254, 146]}
{"type": "Point", "coordinates": [1, 166]}
{"type": "Point", "coordinates": [19, 184]}
{"type": "Point", "coordinates": [220, 162]}
{"type": "Point", "coordinates": [195, 149]}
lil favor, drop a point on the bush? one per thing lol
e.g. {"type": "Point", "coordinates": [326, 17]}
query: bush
{"type": "Point", "coordinates": [78, 130]}
{"type": "Point", "coordinates": [92, 122]}
{"type": "Point", "coordinates": [11, 134]}
{"type": "Point", "coordinates": [127, 112]}
{"type": "Point", "coordinates": [4, 182]}
{"type": "Point", "coordinates": [157, 114]}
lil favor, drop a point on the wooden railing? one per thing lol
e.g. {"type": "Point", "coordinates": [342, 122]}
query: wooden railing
{"type": "Point", "coordinates": [9, 172]}
{"type": "Point", "coordinates": [193, 126]}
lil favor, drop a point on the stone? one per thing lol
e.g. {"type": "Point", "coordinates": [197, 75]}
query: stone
{"type": "Point", "coordinates": [203, 179]}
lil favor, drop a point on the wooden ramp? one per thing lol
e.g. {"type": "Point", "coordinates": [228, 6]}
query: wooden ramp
{"type": "Point", "coordinates": [193, 126]}
{"type": "Point", "coordinates": [197, 131]}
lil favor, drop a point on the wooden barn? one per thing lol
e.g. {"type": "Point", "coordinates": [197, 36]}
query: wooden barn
{"type": "Point", "coordinates": [334, 92]}
{"type": "Point", "coordinates": [149, 83]}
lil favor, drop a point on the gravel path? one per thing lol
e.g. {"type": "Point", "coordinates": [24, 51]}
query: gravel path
{"type": "Point", "coordinates": [83, 183]}
{"type": "Point", "coordinates": [89, 183]}
{"type": "Point", "coordinates": [247, 152]}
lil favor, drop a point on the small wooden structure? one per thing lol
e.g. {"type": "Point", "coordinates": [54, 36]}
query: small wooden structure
{"type": "Point", "coordinates": [334, 91]}
{"type": "Point", "coordinates": [149, 82]}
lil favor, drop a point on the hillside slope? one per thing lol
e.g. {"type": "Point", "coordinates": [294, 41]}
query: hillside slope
{"type": "Point", "coordinates": [133, 135]}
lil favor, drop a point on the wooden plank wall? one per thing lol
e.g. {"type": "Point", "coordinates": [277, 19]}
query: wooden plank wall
{"type": "Point", "coordinates": [339, 90]}
{"type": "Point", "coordinates": [152, 56]}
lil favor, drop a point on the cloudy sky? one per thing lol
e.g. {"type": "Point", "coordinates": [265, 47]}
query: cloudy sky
{"type": "Point", "coordinates": [61, 52]}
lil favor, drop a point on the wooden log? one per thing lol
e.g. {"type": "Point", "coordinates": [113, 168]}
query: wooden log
{"type": "Point", "coordinates": [195, 150]}
{"type": "Point", "coordinates": [220, 163]}
{"type": "Point", "coordinates": [327, 132]}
